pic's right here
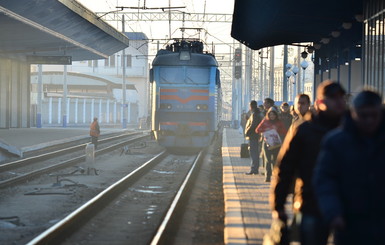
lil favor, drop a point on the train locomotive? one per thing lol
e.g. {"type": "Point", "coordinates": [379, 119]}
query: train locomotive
{"type": "Point", "coordinates": [186, 96]}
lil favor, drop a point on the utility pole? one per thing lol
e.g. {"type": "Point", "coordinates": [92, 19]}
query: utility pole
{"type": "Point", "coordinates": [124, 81]}
{"type": "Point", "coordinates": [39, 96]}
{"type": "Point", "coordinates": [234, 92]}
{"type": "Point", "coordinates": [284, 83]}
{"type": "Point", "coordinates": [64, 103]}
{"type": "Point", "coordinates": [261, 87]}
{"type": "Point", "coordinates": [271, 84]}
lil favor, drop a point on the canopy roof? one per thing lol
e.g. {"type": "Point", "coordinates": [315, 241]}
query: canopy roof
{"type": "Point", "coordinates": [55, 28]}
{"type": "Point", "coordinates": [264, 23]}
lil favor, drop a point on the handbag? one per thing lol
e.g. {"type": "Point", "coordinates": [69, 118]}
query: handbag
{"type": "Point", "coordinates": [272, 139]}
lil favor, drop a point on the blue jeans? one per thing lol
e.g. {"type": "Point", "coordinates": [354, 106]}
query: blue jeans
{"type": "Point", "coordinates": [254, 154]}
{"type": "Point", "coordinates": [313, 230]}
{"type": "Point", "coordinates": [270, 159]}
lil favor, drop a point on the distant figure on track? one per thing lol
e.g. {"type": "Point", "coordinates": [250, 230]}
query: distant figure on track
{"type": "Point", "coordinates": [95, 132]}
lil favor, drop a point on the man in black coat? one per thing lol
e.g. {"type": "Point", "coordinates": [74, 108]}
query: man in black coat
{"type": "Point", "coordinates": [251, 124]}
{"type": "Point", "coordinates": [349, 176]}
{"type": "Point", "coordinates": [297, 159]}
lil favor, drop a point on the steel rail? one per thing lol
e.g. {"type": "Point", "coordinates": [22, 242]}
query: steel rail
{"type": "Point", "coordinates": [65, 227]}
{"type": "Point", "coordinates": [15, 164]}
{"type": "Point", "coordinates": [180, 197]}
{"type": "Point", "coordinates": [65, 164]}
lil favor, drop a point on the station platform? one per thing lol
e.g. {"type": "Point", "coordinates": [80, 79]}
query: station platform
{"type": "Point", "coordinates": [20, 140]}
{"type": "Point", "coordinates": [247, 210]}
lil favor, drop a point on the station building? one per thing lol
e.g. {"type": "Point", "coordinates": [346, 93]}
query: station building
{"type": "Point", "coordinates": [94, 87]}
{"type": "Point", "coordinates": [45, 32]}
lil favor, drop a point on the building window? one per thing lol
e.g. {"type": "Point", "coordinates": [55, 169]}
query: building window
{"type": "Point", "coordinates": [106, 62]}
{"type": "Point", "coordinates": [112, 61]}
{"type": "Point", "coordinates": [90, 63]}
{"type": "Point", "coordinates": [95, 63]}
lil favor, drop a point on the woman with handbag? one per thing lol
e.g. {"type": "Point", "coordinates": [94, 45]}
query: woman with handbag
{"type": "Point", "coordinates": [273, 131]}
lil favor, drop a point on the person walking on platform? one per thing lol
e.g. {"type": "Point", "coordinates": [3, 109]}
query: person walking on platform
{"type": "Point", "coordinates": [251, 124]}
{"type": "Point", "coordinates": [285, 115]}
{"type": "Point", "coordinates": [244, 118]}
{"type": "Point", "coordinates": [95, 132]}
{"type": "Point", "coordinates": [297, 158]}
{"type": "Point", "coordinates": [349, 175]}
{"type": "Point", "coordinates": [275, 126]}
{"type": "Point", "coordinates": [302, 112]}
{"type": "Point", "coordinates": [267, 104]}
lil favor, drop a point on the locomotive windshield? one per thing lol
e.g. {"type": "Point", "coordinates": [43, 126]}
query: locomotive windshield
{"type": "Point", "coordinates": [184, 75]}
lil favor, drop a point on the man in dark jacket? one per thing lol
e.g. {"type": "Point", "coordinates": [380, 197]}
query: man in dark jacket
{"type": "Point", "coordinates": [251, 124]}
{"type": "Point", "coordinates": [285, 115]}
{"type": "Point", "coordinates": [297, 158]}
{"type": "Point", "coordinates": [349, 176]}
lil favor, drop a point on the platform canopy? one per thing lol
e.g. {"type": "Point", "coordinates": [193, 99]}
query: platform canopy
{"type": "Point", "coordinates": [264, 23]}
{"type": "Point", "coordinates": [55, 28]}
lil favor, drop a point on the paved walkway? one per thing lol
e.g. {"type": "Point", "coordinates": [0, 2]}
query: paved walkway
{"type": "Point", "coordinates": [247, 211]}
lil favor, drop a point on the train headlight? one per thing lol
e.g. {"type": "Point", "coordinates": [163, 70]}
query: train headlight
{"type": "Point", "coordinates": [165, 106]}
{"type": "Point", "coordinates": [201, 107]}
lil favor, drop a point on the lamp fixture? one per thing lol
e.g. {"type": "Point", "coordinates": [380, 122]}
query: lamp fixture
{"type": "Point", "coordinates": [325, 40]}
{"type": "Point", "coordinates": [347, 25]}
{"type": "Point", "coordinates": [336, 34]}
{"type": "Point", "coordinates": [304, 54]}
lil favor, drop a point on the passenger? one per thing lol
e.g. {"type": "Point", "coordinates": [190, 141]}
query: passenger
{"type": "Point", "coordinates": [251, 124]}
{"type": "Point", "coordinates": [286, 117]}
{"type": "Point", "coordinates": [262, 109]}
{"type": "Point", "coordinates": [271, 122]}
{"type": "Point", "coordinates": [297, 159]}
{"type": "Point", "coordinates": [95, 132]}
{"type": "Point", "coordinates": [302, 110]}
{"type": "Point", "coordinates": [267, 104]}
{"type": "Point", "coordinates": [349, 174]}
{"type": "Point", "coordinates": [244, 118]}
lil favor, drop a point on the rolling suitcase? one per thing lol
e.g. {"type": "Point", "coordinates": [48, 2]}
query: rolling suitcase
{"type": "Point", "coordinates": [245, 150]}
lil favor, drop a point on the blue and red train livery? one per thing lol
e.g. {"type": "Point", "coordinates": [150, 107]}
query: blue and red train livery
{"type": "Point", "coordinates": [186, 97]}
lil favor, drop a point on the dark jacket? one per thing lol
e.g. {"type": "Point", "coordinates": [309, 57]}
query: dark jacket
{"type": "Point", "coordinates": [286, 118]}
{"type": "Point", "coordinates": [349, 181]}
{"type": "Point", "coordinates": [297, 157]}
{"type": "Point", "coordinates": [252, 123]}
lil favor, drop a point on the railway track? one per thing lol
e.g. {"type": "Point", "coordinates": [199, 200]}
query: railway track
{"type": "Point", "coordinates": [25, 169]}
{"type": "Point", "coordinates": [137, 209]}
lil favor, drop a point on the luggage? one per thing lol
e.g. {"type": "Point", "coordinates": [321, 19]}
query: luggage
{"type": "Point", "coordinates": [245, 150]}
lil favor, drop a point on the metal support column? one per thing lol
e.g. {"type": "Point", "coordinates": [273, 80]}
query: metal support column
{"type": "Point", "coordinates": [39, 96]}
{"type": "Point", "coordinates": [124, 124]}
{"type": "Point", "coordinates": [284, 83]}
{"type": "Point", "coordinates": [271, 83]}
{"type": "Point", "coordinates": [64, 103]}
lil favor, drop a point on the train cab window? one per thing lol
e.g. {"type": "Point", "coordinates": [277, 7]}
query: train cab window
{"type": "Point", "coordinates": [171, 75]}
{"type": "Point", "coordinates": [197, 75]}
{"type": "Point", "coordinates": [184, 75]}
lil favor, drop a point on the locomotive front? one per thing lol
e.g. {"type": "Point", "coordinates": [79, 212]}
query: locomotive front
{"type": "Point", "coordinates": [185, 96]}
